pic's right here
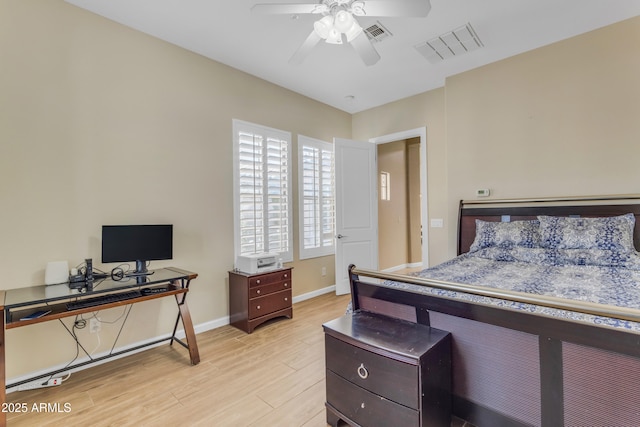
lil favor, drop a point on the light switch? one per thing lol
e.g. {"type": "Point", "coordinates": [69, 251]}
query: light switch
{"type": "Point", "coordinates": [437, 223]}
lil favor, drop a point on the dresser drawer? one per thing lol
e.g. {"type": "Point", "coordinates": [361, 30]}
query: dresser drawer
{"type": "Point", "coordinates": [269, 303]}
{"type": "Point", "coordinates": [265, 279]}
{"type": "Point", "coordinates": [367, 408]}
{"type": "Point", "coordinates": [258, 291]}
{"type": "Point", "coordinates": [374, 372]}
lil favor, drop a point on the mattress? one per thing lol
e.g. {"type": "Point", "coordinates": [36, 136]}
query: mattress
{"type": "Point", "coordinates": [611, 285]}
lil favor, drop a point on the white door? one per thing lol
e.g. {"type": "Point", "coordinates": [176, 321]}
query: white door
{"type": "Point", "coordinates": [356, 208]}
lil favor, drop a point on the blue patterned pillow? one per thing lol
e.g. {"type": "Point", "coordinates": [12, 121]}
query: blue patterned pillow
{"type": "Point", "coordinates": [613, 233]}
{"type": "Point", "coordinates": [506, 234]}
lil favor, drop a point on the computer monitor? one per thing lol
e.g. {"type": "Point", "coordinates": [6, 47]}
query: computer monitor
{"type": "Point", "coordinates": [139, 243]}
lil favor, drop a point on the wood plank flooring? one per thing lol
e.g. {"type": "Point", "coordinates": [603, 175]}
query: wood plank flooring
{"type": "Point", "coordinates": [272, 377]}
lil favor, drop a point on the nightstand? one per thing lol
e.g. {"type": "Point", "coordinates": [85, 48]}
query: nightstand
{"type": "Point", "coordinates": [256, 298]}
{"type": "Point", "coordinates": [383, 371]}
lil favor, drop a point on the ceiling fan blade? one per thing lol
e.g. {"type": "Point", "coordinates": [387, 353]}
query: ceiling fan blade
{"type": "Point", "coordinates": [412, 8]}
{"type": "Point", "coordinates": [365, 49]}
{"type": "Point", "coordinates": [288, 8]}
{"type": "Point", "coordinates": [304, 49]}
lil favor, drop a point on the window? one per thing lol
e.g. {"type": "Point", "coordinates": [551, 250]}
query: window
{"type": "Point", "coordinates": [262, 190]}
{"type": "Point", "coordinates": [316, 197]}
{"type": "Point", "coordinates": [385, 186]}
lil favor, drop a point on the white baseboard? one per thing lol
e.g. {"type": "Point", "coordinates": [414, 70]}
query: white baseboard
{"type": "Point", "coordinates": [222, 321]}
{"type": "Point", "coordinates": [402, 267]}
{"type": "Point", "coordinates": [202, 327]}
{"type": "Point", "coordinates": [211, 324]}
{"type": "Point", "coordinates": [45, 372]}
{"type": "Point", "coordinates": [314, 294]}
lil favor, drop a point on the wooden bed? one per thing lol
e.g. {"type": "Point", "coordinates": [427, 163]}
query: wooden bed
{"type": "Point", "coordinates": [516, 368]}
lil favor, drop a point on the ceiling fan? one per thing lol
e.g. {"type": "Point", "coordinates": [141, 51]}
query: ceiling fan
{"type": "Point", "coordinates": [338, 22]}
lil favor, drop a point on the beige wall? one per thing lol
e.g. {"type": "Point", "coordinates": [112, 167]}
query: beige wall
{"type": "Point", "coordinates": [101, 124]}
{"type": "Point", "coordinates": [414, 201]}
{"type": "Point", "coordinates": [559, 120]}
{"type": "Point", "coordinates": [423, 110]}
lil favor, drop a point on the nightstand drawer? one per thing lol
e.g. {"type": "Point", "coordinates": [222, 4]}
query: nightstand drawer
{"type": "Point", "coordinates": [367, 408]}
{"type": "Point", "coordinates": [265, 279]}
{"type": "Point", "coordinates": [269, 303]}
{"type": "Point", "coordinates": [259, 291]}
{"type": "Point", "coordinates": [374, 372]}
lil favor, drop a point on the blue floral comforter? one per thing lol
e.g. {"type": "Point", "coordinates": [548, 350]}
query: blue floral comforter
{"type": "Point", "coordinates": [580, 276]}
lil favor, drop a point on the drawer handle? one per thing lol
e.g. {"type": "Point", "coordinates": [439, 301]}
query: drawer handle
{"type": "Point", "coordinates": [286, 298]}
{"type": "Point", "coordinates": [258, 307]}
{"type": "Point", "coordinates": [286, 275]}
{"type": "Point", "coordinates": [258, 281]}
{"type": "Point", "coordinates": [258, 291]}
{"type": "Point", "coordinates": [362, 372]}
{"type": "Point", "coordinates": [286, 284]}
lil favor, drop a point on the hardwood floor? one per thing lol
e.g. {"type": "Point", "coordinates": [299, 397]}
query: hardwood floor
{"type": "Point", "coordinates": [272, 377]}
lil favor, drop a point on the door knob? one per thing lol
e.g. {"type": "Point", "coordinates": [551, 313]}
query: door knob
{"type": "Point", "coordinates": [340, 236]}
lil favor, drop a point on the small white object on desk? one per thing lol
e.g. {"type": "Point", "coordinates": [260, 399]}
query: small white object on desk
{"type": "Point", "coordinates": [57, 272]}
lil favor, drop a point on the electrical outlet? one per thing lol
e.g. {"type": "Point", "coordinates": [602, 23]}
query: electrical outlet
{"type": "Point", "coordinates": [94, 325]}
{"type": "Point", "coordinates": [324, 271]}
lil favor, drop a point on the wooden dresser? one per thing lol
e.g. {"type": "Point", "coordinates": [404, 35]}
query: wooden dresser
{"type": "Point", "coordinates": [256, 298]}
{"type": "Point", "coordinates": [383, 372]}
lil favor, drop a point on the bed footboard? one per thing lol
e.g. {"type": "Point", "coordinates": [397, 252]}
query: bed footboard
{"type": "Point", "coordinates": [514, 368]}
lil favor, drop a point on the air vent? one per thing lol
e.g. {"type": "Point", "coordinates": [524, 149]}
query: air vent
{"type": "Point", "coordinates": [447, 45]}
{"type": "Point", "coordinates": [377, 32]}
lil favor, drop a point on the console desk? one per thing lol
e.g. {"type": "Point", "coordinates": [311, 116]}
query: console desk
{"type": "Point", "coordinates": [18, 303]}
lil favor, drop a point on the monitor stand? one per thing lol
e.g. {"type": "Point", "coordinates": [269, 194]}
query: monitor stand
{"type": "Point", "coordinates": [141, 269]}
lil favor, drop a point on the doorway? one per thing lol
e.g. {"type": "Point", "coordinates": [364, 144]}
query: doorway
{"type": "Point", "coordinates": [399, 212]}
{"type": "Point", "coordinates": [404, 226]}
{"type": "Point", "coordinates": [356, 205]}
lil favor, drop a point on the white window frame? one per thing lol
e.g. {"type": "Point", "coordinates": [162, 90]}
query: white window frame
{"type": "Point", "coordinates": [385, 186]}
{"type": "Point", "coordinates": [266, 133]}
{"type": "Point", "coordinates": [322, 204]}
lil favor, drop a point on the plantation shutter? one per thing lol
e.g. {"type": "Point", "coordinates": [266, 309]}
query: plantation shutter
{"type": "Point", "coordinates": [317, 201]}
{"type": "Point", "coordinates": [262, 190]}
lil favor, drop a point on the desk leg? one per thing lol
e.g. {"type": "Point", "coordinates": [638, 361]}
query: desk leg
{"type": "Point", "coordinates": [190, 334]}
{"type": "Point", "coordinates": [3, 414]}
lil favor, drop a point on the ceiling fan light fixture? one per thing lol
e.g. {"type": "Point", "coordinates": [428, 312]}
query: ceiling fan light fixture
{"type": "Point", "coordinates": [323, 26]}
{"type": "Point", "coordinates": [338, 22]}
{"type": "Point", "coordinates": [335, 36]}
{"type": "Point", "coordinates": [343, 21]}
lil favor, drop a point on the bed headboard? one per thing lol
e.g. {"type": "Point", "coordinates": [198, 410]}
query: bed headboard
{"type": "Point", "coordinates": [522, 209]}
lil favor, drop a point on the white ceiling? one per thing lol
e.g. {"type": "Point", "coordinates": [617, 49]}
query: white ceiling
{"type": "Point", "coordinates": [261, 45]}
